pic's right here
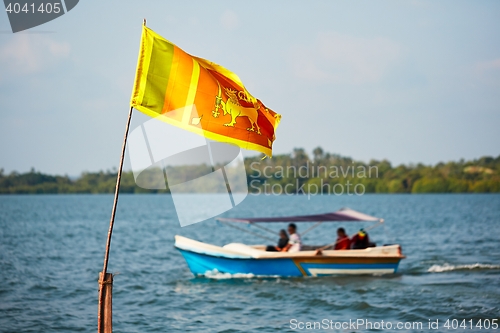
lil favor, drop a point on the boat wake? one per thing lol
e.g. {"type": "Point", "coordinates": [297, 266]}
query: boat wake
{"type": "Point", "coordinates": [448, 268]}
{"type": "Point", "coordinates": [215, 274]}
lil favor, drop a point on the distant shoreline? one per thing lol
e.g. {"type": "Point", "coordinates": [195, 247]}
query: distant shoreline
{"type": "Point", "coordinates": [288, 174]}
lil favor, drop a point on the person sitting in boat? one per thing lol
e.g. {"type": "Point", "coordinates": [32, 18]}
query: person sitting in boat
{"type": "Point", "coordinates": [294, 242]}
{"type": "Point", "coordinates": [343, 242]}
{"type": "Point", "coordinates": [282, 242]}
{"type": "Point", "coordinates": [360, 240]}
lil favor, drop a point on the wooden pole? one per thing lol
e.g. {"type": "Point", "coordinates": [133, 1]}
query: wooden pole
{"type": "Point", "coordinates": [104, 319]}
{"type": "Point", "coordinates": [107, 308]}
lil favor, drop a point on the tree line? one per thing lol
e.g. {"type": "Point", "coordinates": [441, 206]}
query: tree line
{"type": "Point", "coordinates": [327, 170]}
{"type": "Point", "coordinates": [299, 172]}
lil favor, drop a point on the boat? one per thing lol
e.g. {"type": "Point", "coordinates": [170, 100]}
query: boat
{"type": "Point", "coordinates": [253, 260]}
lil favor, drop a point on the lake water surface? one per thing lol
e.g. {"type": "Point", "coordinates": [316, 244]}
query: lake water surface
{"type": "Point", "coordinates": [52, 247]}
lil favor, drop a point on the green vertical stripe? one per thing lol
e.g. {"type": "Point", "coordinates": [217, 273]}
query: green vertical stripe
{"type": "Point", "coordinates": [158, 74]}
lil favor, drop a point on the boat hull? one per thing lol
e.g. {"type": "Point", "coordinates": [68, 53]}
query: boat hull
{"type": "Point", "coordinates": [202, 261]}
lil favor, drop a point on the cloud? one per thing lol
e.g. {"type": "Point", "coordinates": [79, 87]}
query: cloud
{"type": "Point", "coordinates": [338, 58]}
{"type": "Point", "coordinates": [28, 54]}
{"type": "Point", "coordinates": [229, 20]}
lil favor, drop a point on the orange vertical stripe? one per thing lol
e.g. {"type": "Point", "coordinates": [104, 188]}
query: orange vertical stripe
{"type": "Point", "coordinates": [179, 81]}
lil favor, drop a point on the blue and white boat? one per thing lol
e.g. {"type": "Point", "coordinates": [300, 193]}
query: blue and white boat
{"type": "Point", "coordinates": [253, 260]}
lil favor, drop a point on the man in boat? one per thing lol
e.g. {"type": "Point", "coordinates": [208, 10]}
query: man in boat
{"type": "Point", "coordinates": [282, 242]}
{"type": "Point", "coordinates": [294, 242]}
{"type": "Point", "coordinates": [343, 242]}
{"type": "Point", "coordinates": [360, 240]}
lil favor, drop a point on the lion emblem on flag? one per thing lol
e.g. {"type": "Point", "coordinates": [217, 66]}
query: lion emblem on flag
{"type": "Point", "coordinates": [233, 107]}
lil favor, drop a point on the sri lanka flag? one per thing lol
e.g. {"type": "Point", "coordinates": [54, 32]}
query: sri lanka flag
{"type": "Point", "coordinates": [199, 96]}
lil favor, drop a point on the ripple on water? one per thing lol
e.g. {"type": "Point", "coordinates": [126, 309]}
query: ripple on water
{"type": "Point", "coordinates": [449, 267]}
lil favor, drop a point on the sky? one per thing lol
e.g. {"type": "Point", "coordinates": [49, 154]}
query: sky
{"type": "Point", "coordinates": [408, 81]}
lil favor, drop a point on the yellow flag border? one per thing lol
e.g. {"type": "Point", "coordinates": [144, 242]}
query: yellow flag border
{"type": "Point", "coordinates": [142, 68]}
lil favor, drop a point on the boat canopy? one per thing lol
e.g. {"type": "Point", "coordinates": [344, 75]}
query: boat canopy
{"type": "Point", "coordinates": [342, 215]}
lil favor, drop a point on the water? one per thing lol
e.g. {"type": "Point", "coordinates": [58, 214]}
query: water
{"type": "Point", "coordinates": [51, 250]}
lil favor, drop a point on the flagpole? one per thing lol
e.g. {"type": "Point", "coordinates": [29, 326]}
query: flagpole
{"type": "Point", "coordinates": [104, 311]}
{"type": "Point", "coordinates": [104, 314]}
